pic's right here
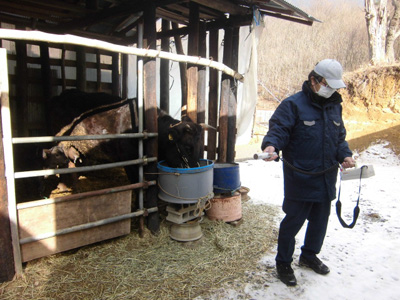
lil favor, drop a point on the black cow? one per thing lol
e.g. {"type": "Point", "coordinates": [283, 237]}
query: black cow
{"type": "Point", "coordinates": [116, 118]}
{"type": "Point", "coordinates": [180, 143]}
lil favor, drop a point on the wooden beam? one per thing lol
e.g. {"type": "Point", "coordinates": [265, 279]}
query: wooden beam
{"type": "Point", "coordinates": [125, 72]}
{"type": "Point", "coordinates": [21, 88]}
{"type": "Point", "coordinates": [46, 79]}
{"type": "Point", "coordinates": [201, 84]}
{"type": "Point", "coordinates": [225, 98]}
{"type": "Point", "coordinates": [81, 68]}
{"type": "Point", "coordinates": [8, 210]}
{"type": "Point", "coordinates": [213, 97]}
{"type": "Point", "coordinates": [116, 82]}
{"type": "Point", "coordinates": [150, 106]}
{"type": "Point", "coordinates": [193, 50]}
{"type": "Point", "coordinates": [164, 71]}
{"type": "Point", "coordinates": [232, 105]}
{"type": "Point", "coordinates": [7, 271]}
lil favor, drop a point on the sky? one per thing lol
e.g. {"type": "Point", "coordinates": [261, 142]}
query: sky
{"type": "Point", "coordinates": [364, 261]}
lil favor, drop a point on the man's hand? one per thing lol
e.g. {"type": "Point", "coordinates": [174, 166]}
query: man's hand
{"type": "Point", "coordinates": [271, 151]}
{"type": "Point", "coordinates": [348, 162]}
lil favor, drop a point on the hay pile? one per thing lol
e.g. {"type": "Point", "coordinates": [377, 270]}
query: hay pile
{"type": "Point", "coordinates": [153, 267]}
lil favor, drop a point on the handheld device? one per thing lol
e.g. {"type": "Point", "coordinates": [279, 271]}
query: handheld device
{"type": "Point", "coordinates": [263, 155]}
{"type": "Point", "coordinates": [355, 173]}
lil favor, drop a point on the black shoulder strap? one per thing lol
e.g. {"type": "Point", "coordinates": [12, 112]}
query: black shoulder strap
{"type": "Point", "coordinates": [356, 211]}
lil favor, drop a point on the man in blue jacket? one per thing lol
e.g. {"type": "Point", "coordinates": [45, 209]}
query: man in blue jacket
{"type": "Point", "coordinates": [308, 128]}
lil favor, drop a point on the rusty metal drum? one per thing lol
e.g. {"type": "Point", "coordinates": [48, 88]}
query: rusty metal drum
{"type": "Point", "coordinates": [225, 208]}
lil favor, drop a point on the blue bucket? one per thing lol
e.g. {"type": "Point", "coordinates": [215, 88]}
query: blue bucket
{"type": "Point", "coordinates": [226, 178]}
{"type": "Point", "coordinates": [186, 185]}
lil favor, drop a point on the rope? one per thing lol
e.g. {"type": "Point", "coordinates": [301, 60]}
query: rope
{"type": "Point", "coordinates": [356, 210]}
{"type": "Point", "coordinates": [330, 169]}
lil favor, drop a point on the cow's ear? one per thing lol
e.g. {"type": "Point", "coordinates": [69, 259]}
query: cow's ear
{"type": "Point", "coordinates": [45, 153]}
{"type": "Point", "coordinates": [73, 154]}
{"type": "Point", "coordinates": [175, 132]}
{"type": "Point", "coordinates": [186, 118]}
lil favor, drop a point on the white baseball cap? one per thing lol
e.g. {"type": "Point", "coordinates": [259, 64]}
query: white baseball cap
{"type": "Point", "coordinates": [332, 71]}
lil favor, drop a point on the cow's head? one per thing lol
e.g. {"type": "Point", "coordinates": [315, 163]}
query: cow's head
{"type": "Point", "coordinates": [186, 138]}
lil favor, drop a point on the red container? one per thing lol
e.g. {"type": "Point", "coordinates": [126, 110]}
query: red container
{"type": "Point", "coordinates": [225, 208]}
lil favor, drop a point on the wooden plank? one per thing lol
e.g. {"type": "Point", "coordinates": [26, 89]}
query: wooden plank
{"type": "Point", "coordinates": [164, 71]}
{"type": "Point", "coordinates": [115, 81]}
{"type": "Point", "coordinates": [193, 50]}
{"type": "Point", "coordinates": [213, 97]}
{"type": "Point", "coordinates": [46, 85]}
{"type": "Point", "coordinates": [125, 72]}
{"type": "Point", "coordinates": [42, 219]}
{"type": "Point", "coordinates": [6, 252]}
{"type": "Point", "coordinates": [232, 105]}
{"type": "Point", "coordinates": [98, 70]}
{"type": "Point", "coordinates": [201, 83]}
{"type": "Point", "coordinates": [225, 96]}
{"type": "Point", "coordinates": [8, 165]}
{"type": "Point", "coordinates": [150, 106]}
{"type": "Point", "coordinates": [21, 88]}
{"type": "Point", "coordinates": [81, 68]}
{"type": "Point", "coordinates": [63, 76]}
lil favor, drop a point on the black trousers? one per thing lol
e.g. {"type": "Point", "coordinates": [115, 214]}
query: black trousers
{"type": "Point", "coordinates": [297, 212]}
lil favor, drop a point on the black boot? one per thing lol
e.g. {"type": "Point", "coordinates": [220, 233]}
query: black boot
{"type": "Point", "coordinates": [315, 264]}
{"type": "Point", "coordinates": [286, 274]}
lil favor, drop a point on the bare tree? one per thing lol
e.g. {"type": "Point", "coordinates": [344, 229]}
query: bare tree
{"type": "Point", "coordinates": [383, 29]}
{"type": "Point", "coordinates": [393, 32]}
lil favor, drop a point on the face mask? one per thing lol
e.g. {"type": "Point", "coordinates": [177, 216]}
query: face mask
{"type": "Point", "coordinates": [325, 91]}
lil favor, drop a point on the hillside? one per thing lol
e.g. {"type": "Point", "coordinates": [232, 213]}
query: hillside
{"type": "Point", "coordinates": [371, 101]}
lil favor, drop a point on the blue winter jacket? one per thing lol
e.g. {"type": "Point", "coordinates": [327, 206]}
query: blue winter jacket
{"type": "Point", "coordinates": [312, 138]}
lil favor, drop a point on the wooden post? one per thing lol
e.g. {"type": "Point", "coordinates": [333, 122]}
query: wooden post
{"type": "Point", "coordinates": [115, 74]}
{"type": "Point", "coordinates": [201, 84]}
{"type": "Point", "coordinates": [46, 79]}
{"type": "Point", "coordinates": [125, 71]}
{"type": "Point", "coordinates": [150, 106]}
{"type": "Point", "coordinates": [193, 50]}
{"type": "Point", "coordinates": [225, 96]}
{"type": "Point", "coordinates": [182, 68]}
{"type": "Point", "coordinates": [46, 71]}
{"type": "Point", "coordinates": [21, 100]}
{"type": "Point", "coordinates": [98, 70]}
{"type": "Point", "coordinates": [164, 70]}
{"type": "Point", "coordinates": [81, 68]}
{"type": "Point", "coordinates": [232, 106]}
{"type": "Point", "coordinates": [213, 97]}
{"type": "Point", "coordinates": [10, 255]}
{"type": "Point", "coordinates": [63, 77]}
{"type": "Point", "coordinates": [7, 271]}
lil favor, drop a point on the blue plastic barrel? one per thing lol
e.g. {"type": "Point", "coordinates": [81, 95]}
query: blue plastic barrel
{"type": "Point", "coordinates": [186, 185]}
{"type": "Point", "coordinates": [226, 178]}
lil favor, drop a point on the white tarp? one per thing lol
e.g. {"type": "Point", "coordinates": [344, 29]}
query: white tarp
{"type": "Point", "coordinates": [247, 91]}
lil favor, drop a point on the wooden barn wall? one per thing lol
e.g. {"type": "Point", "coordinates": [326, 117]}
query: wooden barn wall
{"type": "Point", "coordinates": [39, 71]}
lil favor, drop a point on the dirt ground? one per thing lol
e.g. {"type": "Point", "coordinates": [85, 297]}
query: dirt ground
{"type": "Point", "coordinates": [371, 110]}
